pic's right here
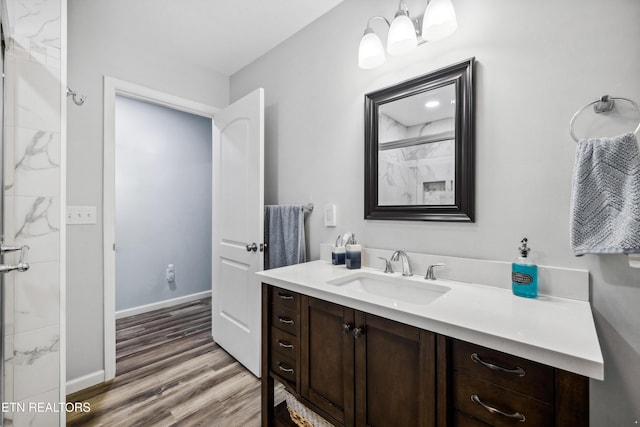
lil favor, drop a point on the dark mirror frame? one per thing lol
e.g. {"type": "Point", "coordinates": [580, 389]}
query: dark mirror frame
{"type": "Point", "coordinates": [463, 208]}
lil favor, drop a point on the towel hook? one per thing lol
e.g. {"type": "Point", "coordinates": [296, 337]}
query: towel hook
{"type": "Point", "coordinates": [602, 105]}
{"type": "Point", "coordinates": [78, 100]}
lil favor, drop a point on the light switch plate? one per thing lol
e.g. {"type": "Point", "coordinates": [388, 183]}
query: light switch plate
{"type": "Point", "coordinates": [329, 215]}
{"type": "Point", "coordinates": [81, 215]}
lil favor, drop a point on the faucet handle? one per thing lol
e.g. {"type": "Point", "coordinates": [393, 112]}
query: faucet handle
{"type": "Point", "coordinates": [387, 265]}
{"type": "Point", "coordinates": [22, 264]}
{"type": "Point", "coordinates": [430, 274]}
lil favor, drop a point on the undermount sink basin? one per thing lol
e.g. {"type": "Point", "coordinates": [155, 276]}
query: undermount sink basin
{"type": "Point", "coordinates": [394, 289]}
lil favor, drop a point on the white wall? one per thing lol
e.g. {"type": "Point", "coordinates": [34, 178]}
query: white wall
{"type": "Point", "coordinates": [537, 63]}
{"type": "Point", "coordinates": [92, 55]}
{"type": "Point", "coordinates": [163, 203]}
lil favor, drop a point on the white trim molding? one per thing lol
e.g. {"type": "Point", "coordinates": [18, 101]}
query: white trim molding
{"type": "Point", "coordinates": [121, 314]}
{"type": "Point", "coordinates": [113, 87]}
{"type": "Point", "coordinates": [85, 381]}
{"type": "Point", "coordinates": [63, 390]}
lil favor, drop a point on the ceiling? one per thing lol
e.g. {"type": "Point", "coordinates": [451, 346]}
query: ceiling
{"type": "Point", "coordinates": [412, 110]}
{"type": "Point", "coordinates": [223, 36]}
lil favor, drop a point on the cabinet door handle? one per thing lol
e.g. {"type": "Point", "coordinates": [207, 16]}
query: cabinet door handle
{"type": "Point", "coordinates": [516, 415]}
{"type": "Point", "coordinates": [357, 332]}
{"type": "Point", "coordinates": [283, 369]}
{"type": "Point", "coordinates": [284, 344]}
{"type": "Point", "coordinates": [517, 370]}
{"type": "Point", "coordinates": [285, 296]}
{"type": "Point", "coordinates": [285, 320]}
{"type": "Point", "coordinates": [346, 328]}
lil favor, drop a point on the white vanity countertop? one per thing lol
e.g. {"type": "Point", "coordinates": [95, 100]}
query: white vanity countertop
{"type": "Point", "coordinates": [558, 332]}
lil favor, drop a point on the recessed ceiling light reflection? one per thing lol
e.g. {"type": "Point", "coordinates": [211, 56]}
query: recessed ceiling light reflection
{"type": "Point", "coordinates": [432, 104]}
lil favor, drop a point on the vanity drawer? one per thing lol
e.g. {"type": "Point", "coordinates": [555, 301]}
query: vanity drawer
{"type": "Point", "coordinates": [284, 299]}
{"type": "Point", "coordinates": [284, 343]}
{"type": "Point", "coordinates": [483, 400]}
{"type": "Point", "coordinates": [460, 419]}
{"type": "Point", "coordinates": [521, 375]}
{"type": "Point", "coordinates": [285, 320]}
{"type": "Point", "coordinates": [284, 366]}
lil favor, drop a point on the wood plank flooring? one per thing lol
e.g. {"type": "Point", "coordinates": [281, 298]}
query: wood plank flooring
{"type": "Point", "coordinates": [169, 372]}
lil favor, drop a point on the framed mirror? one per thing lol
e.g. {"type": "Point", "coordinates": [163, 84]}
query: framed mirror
{"type": "Point", "coordinates": [419, 148]}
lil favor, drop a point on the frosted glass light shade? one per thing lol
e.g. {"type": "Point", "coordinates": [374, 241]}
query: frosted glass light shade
{"type": "Point", "coordinates": [402, 36]}
{"type": "Point", "coordinates": [371, 52]}
{"type": "Point", "coordinates": [439, 20]}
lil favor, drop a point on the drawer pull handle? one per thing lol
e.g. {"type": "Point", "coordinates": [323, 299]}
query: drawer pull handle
{"type": "Point", "coordinates": [284, 344]}
{"type": "Point", "coordinates": [517, 370]}
{"type": "Point", "coordinates": [516, 415]}
{"type": "Point", "coordinates": [286, 370]}
{"type": "Point", "coordinates": [285, 320]}
{"type": "Point", "coordinates": [346, 328]}
{"type": "Point", "coordinates": [285, 296]}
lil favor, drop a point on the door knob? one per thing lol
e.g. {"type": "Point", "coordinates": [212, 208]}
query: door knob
{"type": "Point", "coordinates": [252, 247]}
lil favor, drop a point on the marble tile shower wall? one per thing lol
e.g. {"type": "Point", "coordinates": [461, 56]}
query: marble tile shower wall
{"type": "Point", "coordinates": [33, 112]}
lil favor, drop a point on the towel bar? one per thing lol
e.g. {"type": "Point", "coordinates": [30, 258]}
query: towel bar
{"type": "Point", "coordinates": [602, 105]}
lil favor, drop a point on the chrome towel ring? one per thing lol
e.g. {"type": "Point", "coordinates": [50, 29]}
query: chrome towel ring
{"type": "Point", "coordinates": [602, 105]}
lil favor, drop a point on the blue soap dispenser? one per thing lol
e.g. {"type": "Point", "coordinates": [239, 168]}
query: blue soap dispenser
{"type": "Point", "coordinates": [338, 252]}
{"type": "Point", "coordinates": [524, 274]}
{"type": "Point", "coordinates": [353, 258]}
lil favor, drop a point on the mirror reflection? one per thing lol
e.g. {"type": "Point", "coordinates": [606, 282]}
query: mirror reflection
{"type": "Point", "coordinates": [416, 143]}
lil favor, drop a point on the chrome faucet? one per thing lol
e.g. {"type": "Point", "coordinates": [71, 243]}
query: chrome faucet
{"type": "Point", "coordinates": [402, 256]}
{"type": "Point", "coordinates": [387, 265]}
{"type": "Point", "coordinates": [430, 274]}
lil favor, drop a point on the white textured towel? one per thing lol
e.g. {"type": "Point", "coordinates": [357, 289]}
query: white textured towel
{"type": "Point", "coordinates": [605, 199]}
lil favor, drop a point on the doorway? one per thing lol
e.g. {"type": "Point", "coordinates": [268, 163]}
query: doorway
{"type": "Point", "coordinates": [114, 88]}
{"type": "Point", "coordinates": [162, 206]}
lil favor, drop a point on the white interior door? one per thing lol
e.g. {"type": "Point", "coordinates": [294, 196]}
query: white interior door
{"type": "Point", "coordinates": [238, 210]}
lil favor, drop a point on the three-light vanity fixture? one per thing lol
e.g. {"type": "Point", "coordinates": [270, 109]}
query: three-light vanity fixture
{"type": "Point", "coordinates": [438, 22]}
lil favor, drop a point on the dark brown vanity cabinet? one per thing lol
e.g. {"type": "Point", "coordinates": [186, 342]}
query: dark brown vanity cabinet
{"type": "Point", "coordinates": [353, 368]}
{"type": "Point", "coordinates": [478, 386]}
{"type": "Point", "coordinates": [364, 370]}
{"type": "Point", "coordinates": [357, 369]}
{"type": "Point", "coordinates": [327, 354]}
{"type": "Point", "coordinates": [284, 332]}
{"type": "Point", "coordinates": [395, 374]}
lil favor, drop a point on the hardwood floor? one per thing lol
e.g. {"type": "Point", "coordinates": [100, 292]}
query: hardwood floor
{"type": "Point", "coordinates": [169, 372]}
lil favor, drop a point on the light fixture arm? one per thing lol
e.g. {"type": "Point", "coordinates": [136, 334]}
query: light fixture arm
{"type": "Point", "coordinates": [403, 9]}
{"type": "Point", "coordinates": [377, 17]}
{"type": "Point", "coordinates": [400, 8]}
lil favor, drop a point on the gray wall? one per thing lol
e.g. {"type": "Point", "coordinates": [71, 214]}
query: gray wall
{"type": "Point", "coordinates": [163, 203]}
{"type": "Point", "coordinates": [92, 55]}
{"type": "Point", "coordinates": [537, 63]}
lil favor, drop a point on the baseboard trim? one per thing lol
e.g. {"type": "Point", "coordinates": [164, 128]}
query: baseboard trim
{"type": "Point", "coordinates": [85, 381]}
{"type": "Point", "coordinates": [162, 304]}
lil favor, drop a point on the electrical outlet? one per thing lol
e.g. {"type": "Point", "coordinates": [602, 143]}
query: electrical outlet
{"type": "Point", "coordinates": [81, 215]}
{"type": "Point", "coordinates": [171, 273]}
